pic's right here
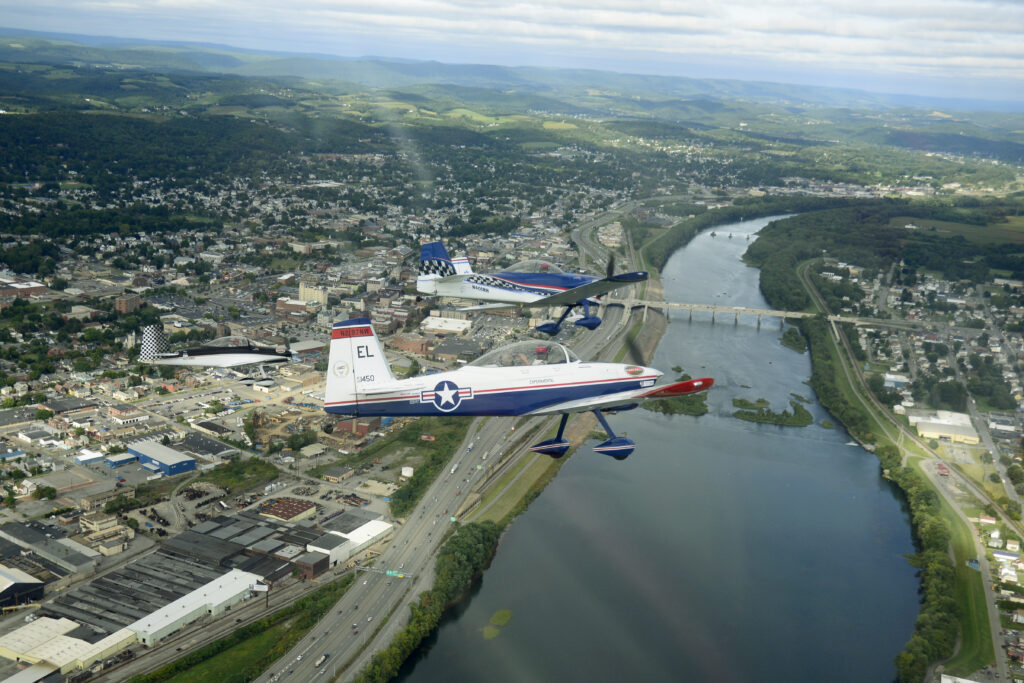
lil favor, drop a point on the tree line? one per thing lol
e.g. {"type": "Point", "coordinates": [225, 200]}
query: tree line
{"type": "Point", "coordinates": [461, 560]}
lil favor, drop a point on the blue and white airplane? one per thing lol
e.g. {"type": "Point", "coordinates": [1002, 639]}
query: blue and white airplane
{"type": "Point", "coordinates": [523, 378]}
{"type": "Point", "coordinates": [535, 283]}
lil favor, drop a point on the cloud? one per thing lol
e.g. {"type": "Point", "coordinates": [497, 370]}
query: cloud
{"type": "Point", "coordinates": [938, 40]}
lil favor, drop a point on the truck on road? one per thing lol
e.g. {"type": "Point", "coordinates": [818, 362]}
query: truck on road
{"type": "Point", "coordinates": [323, 658]}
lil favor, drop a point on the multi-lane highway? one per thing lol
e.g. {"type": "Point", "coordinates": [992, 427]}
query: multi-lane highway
{"type": "Point", "coordinates": [361, 617]}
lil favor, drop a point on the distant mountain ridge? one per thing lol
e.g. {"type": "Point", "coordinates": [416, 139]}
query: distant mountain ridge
{"type": "Point", "coordinates": [19, 45]}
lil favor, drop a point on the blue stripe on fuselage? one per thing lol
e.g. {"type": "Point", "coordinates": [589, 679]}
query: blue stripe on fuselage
{"type": "Point", "coordinates": [488, 402]}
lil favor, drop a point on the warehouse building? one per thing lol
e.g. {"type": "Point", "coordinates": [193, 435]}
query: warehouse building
{"type": "Point", "coordinates": [47, 542]}
{"type": "Point", "coordinates": [51, 645]}
{"type": "Point", "coordinates": [213, 598]}
{"type": "Point", "coordinates": [288, 509]}
{"type": "Point", "coordinates": [944, 424]}
{"type": "Point", "coordinates": [97, 501]}
{"type": "Point", "coordinates": [337, 474]}
{"type": "Point", "coordinates": [86, 456]}
{"type": "Point", "coordinates": [17, 587]}
{"type": "Point", "coordinates": [368, 534]}
{"type": "Point", "coordinates": [156, 457]}
{"type": "Point", "coordinates": [205, 447]}
{"type": "Point", "coordinates": [954, 433]}
{"type": "Point", "coordinates": [333, 545]}
{"type": "Point", "coordinates": [115, 461]}
{"type": "Point", "coordinates": [311, 565]}
{"type": "Point", "coordinates": [350, 520]}
{"type": "Point", "coordinates": [203, 548]}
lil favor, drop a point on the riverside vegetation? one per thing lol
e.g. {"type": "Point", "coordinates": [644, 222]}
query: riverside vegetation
{"type": "Point", "coordinates": [760, 411]}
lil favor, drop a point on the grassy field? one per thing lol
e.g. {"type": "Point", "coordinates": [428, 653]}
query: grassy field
{"type": "Point", "coordinates": [976, 648]}
{"type": "Point", "coordinates": [532, 471]}
{"type": "Point", "coordinates": [241, 475]}
{"type": "Point", "coordinates": [266, 647]}
{"type": "Point", "coordinates": [979, 475]}
{"type": "Point", "coordinates": [996, 233]}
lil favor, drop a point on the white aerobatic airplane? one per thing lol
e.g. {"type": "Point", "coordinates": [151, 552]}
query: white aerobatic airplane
{"type": "Point", "coordinates": [523, 378]}
{"type": "Point", "coordinates": [223, 352]}
{"type": "Point", "coordinates": [535, 284]}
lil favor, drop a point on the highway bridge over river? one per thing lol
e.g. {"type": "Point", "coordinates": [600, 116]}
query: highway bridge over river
{"type": "Point", "coordinates": [737, 311]}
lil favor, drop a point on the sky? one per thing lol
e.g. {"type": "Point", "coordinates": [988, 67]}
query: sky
{"type": "Point", "coordinates": [951, 48]}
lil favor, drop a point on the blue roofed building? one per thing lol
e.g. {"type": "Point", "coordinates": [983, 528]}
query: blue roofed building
{"type": "Point", "coordinates": [158, 458]}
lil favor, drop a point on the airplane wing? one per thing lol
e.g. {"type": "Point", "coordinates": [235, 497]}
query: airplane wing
{"type": "Point", "coordinates": [624, 398]}
{"type": "Point", "coordinates": [488, 307]}
{"type": "Point", "coordinates": [595, 288]}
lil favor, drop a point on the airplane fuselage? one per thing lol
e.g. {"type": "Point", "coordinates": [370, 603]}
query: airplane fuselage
{"type": "Point", "coordinates": [221, 357]}
{"type": "Point", "coordinates": [475, 390]}
{"type": "Point", "coordinates": [505, 287]}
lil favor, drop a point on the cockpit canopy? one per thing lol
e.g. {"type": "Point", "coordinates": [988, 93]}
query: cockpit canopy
{"type": "Point", "coordinates": [534, 266]}
{"type": "Point", "coordinates": [232, 343]}
{"type": "Point", "coordinates": [525, 353]}
{"type": "Point", "coordinates": [229, 342]}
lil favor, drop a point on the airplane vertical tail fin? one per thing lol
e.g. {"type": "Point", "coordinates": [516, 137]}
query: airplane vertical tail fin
{"type": "Point", "coordinates": [356, 363]}
{"type": "Point", "coordinates": [154, 343]}
{"type": "Point", "coordinates": [435, 264]}
{"type": "Point", "coordinates": [434, 260]}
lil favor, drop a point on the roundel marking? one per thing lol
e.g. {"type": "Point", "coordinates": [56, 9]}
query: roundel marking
{"type": "Point", "coordinates": [446, 396]}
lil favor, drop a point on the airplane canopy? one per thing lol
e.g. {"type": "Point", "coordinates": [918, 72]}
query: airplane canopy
{"type": "Point", "coordinates": [230, 342]}
{"type": "Point", "coordinates": [526, 353]}
{"type": "Point", "coordinates": [534, 266]}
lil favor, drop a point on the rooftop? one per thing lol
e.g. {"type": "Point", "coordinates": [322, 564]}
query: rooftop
{"type": "Point", "coordinates": [217, 591]}
{"type": "Point", "coordinates": [159, 452]}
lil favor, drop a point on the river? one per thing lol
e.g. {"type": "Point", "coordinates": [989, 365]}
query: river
{"type": "Point", "coordinates": [720, 550]}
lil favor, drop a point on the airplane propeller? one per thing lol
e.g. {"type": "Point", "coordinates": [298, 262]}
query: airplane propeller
{"type": "Point", "coordinates": [632, 348]}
